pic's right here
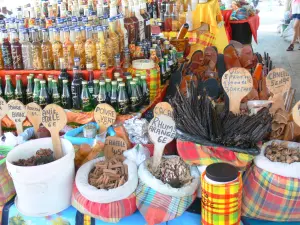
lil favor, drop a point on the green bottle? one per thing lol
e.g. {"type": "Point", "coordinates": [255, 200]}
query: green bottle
{"type": "Point", "coordinates": [145, 91]}
{"type": "Point", "coordinates": [123, 101]}
{"type": "Point", "coordinates": [119, 80]}
{"type": "Point", "coordinates": [9, 90]}
{"type": "Point", "coordinates": [86, 99]}
{"type": "Point", "coordinates": [96, 92]}
{"type": "Point", "coordinates": [50, 84]}
{"type": "Point", "coordinates": [102, 92]}
{"type": "Point", "coordinates": [138, 79]}
{"type": "Point", "coordinates": [108, 89]}
{"type": "Point", "coordinates": [29, 90]}
{"type": "Point", "coordinates": [55, 94]}
{"type": "Point", "coordinates": [19, 95]}
{"type": "Point", "coordinates": [134, 98]}
{"type": "Point", "coordinates": [128, 86]}
{"type": "Point", "coordinates": [163, 78]}
{"type": "Point", "coordinates": [44, 97]}
{"type": "Point", "coordinates": [114, 94]}
{"type": "Point", "coordinates": [36, 90]}
{"type": "Point", "coordinates": [66, 99]}
{"type": "Point", "coordinates": [139, 91]}
{"type": "Point", "coordinates": [167, 67]}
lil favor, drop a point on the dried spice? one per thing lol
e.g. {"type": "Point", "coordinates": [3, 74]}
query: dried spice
{"type": "Point", "coordinates": [108, 174]}
{"type": "Point", "coordinates": [281, 153]}
{"type": "Point", "coordinates": [41, 157]}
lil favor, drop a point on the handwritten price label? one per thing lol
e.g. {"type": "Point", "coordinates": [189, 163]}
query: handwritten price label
{"type": "Point", "coordinates": [17, 113]}
{"type": "Point", "coordinates": [105, 115]}
{"type": "Point", "coordinates": [163, 108]}
{"type": "Point", "coordinates": [278, 81]}
{"type": "Point", "coordinates": [114, 147]}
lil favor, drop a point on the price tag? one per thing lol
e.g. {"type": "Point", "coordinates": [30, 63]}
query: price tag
{"type": "Point", "coordinates": [54, 119]}
{"type": "Point", "coordinates": [34, 115]}
{"type": "Point", "coordinates": [3, 112]}
{"type": "Point", "coordinates": [278, 81]}
{"type": "Point", "coordinates": [296, 113]}
{"type": "Point", "coordinates": [161, 131]}
{"type": "Point", "coordinates": [237, 83]}
{"type": "Point", "coordinates": [17, 113]}
{"type": "Point", "coordinates": [163, 108]}
{"type": "Point", "coordinates": [105, 115]}
{"type": "Point", "coordinates": [114, 147]}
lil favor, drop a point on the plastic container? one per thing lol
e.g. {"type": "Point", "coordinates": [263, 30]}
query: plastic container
{"type": "Point", "coordinates": [46, 189]}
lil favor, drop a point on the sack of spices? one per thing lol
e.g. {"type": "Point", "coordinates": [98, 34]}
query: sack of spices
{"type": "Point", "coordinates": [157, 200]}
{"type": "Point", "coordinates": [104, 189]}
{"type": "Point", "coordinates": [271, 188]}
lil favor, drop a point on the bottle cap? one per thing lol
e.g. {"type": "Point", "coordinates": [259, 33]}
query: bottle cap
{"type": "Point", "coordinates": [61, 60]}
{"type": "Point", "coordinates": [129, 77]}
{"type": "Point", "coordinates": [117, 74]}
{"type": "Point", "coordinates": [54, 81]}
{"type": "Point", "coordinates": [89, 66]}
{"type": "Point", "coordinates": [102, 82]}
{"type": "Point", "coordinates": [43, 82]}
{"type": "Point", "coordinates": [107, 80]}
{"type": "Point", "coordinates": [65, 81]}
{"type": "Point", "coordinates": [143, 77]}
{"type": "Point", "coordinates": [122, 84]}
{"type": "Point", "coordinates": [83, 82]}
{"type": "Point", "coordinates": [18, 77]}
{"type": "Point", "coordinates": [96, 81]}
{"type": "Point", "coordinates": [132, 82]}
{"type": "Point", "coordinates": [114, 82]}
{"type": "Point", "coordinates": [36, 80]}
{"type": "Point", "coordinates": [76, 59]}
{"type": "Point", "coordinates": [120, 79]}
{"type": "Point", "coordinates": [135, 79]}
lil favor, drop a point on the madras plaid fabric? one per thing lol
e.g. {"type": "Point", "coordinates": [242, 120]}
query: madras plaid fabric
{"type": "Point", "coordinates": [7, 189]}
{"type": "Point", "coordinates": [268, 196]}
{"type": "Point", "coordinates": [157, 208]}
{"type": "Point", "coordinates": [196, 154]}
{"type": "Point", "coordinates": [221, 203]}
{"type": "Point", "coordinates": [108, 212]}
{"type": "Point", "coordinates": [206, 39]}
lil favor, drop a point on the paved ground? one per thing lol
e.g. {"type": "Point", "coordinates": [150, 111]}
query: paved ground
{"type": "Point", "coordinates": [270, 41]}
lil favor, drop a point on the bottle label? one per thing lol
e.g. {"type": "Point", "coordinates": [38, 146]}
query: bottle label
{"type": "Point", "coordinates": [147, 22]}
{"type": "Point", "coordinates": [29, 97]}
{"type": "Point", "coordinates": [16, 57]}
{"type": "Point", "coordinates": [123, 107]}
{"type": "Point", "coordinates": [85, 102]}
{"type": "Point", "coordinates": [19, 97]}
{"type": "Point", "coordinates": [56, 99]}
{"type": "Point", "coordinates": [42, 101]}
{"type": "Point", "coordinates": [134, 103]}
{"type": "Point", "coordinates": [64, 102]}
{"type": "Point", "coordinates": [142, 30]}
{"type": "Point", "coordinates": [101, 98]}
{"type": "Point", "coordinates": [9, 96]}
{"type": "Point", "coordinates": [91, 90]}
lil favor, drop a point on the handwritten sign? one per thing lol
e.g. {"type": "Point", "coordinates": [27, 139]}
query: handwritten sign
{"type": "Point", "coordinates": [278, 81]}
{"type": "Point", "coordinates": [3, 112]}
{"type": "Point", "coordinates": [54, 119]}
{"type": "Point", "coordinates": [161, 131]}
{"type": "Point", "coordinates": [163, 108]}
{"type": "Point", "coordinates": [105, 115]}
{"type": "Point", "coordinates": [17, 113]}
{"type": "Point", "coordinates": [237, 83]}
{"type": "Point", "coordinates": [34, 115]}
{"type": "Point", "coordinates": [114, 147]}
{"type": "Point", "coordinates": [296, 113]}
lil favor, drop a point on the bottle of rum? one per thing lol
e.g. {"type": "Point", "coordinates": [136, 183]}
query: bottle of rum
{"type": "Point", "coordinates": [36, 51]}
{"type": "Point", "coordinates": [124, 30]}
{"type": "Point", "coordinates": [16, 51]}
{"type": "Point", "coordinates": [117, 67]}
{"type": "Point", "coordinates": [63, 75]}
{"type": "Point", "coordinates": [101, 48]}
{"type": "Point", "coordinates": [57, 49]}
{"type": "Point", "coordinates": [131, 23]}
{"type": "Point", "coordinates": [68, 50]}
{"type": "Point", "coordinates": [146, 17]}
{"type": "Point", "coordinates": [90, 49]}
{"type": "Point", "coordinates": [79, 50]}
{"type": "Point", "coordinates": [6, 51]}
{"type": "Point", "coordinates": [109, 48]}
{"type": "Point", "coordinates": [141, 36]}
{"type": "Point", "coordinates": [113, 37]}
{"type": "Point", "coordinates": [47, 51]}
{"type": "Point", "coordinates": [168, 19]}
{"type": "Point", "coordinates": [120, 33]}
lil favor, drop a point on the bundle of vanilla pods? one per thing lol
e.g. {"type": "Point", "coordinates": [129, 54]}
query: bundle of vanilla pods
{"type": "Point", "coordinates": [196, 115]}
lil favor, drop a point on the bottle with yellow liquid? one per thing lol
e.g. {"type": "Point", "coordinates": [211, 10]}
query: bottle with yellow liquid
{"type": "Point", "coordinates": [101, 48]}
{"type": "Point", "coordinates": [57, 49]}
{"type": "Point", "coordinates": [121, 34]}
{"type": "Point", "coordinates": [113, 36]}
{"type": "Point", "coordinates": [79, 50]}
{"type": "Point", "coordinates": [109, 48]}
{"type": "Point", "coordinates": [36, 51]}
{"type": "Point", "coordinates": [90, 48]}
{"type": "Point", "coordinates": [68, 50]}
{"type": "Point", "coordinates": [47, 51]}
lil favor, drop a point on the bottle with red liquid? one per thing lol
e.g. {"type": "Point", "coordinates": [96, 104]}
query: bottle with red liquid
{"type": "Point", "coordinates": [117, 67]}
{"type": "Point", "coordinates": [6, 51]}
{"type": "Point", "coordinates": [168, 18]}
{"type": "Point", "coordinates": [16, 51]}
{"type": "Point", "coordinates": [146, 17]}
{"type": "Point", "coordinates": [131, 23]}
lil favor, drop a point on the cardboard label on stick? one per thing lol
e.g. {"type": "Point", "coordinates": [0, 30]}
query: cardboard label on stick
{"type": "Point", "coordinates": [278, 81]}
{"type": "Point", "coordinates": [296, 113]}
{"type": "Point", "coordinates": [34, 115]}
{"type": "Point", "coordinates": [17, 113]}
{"type": "Point", "coordinates": [105, 115]}
{"type": "Point", "coordinates": [3, 112]}
{"type": "Point", "coordinates": [237, 83]}
{"type": "Point", "coordinates": [54, 119]}
{"type": "Point", "coordinates": [163, 108]}
{"type": "Point", "coordinates": [114, 147]}
{"type": "Point", "coordinates": [162, 130]}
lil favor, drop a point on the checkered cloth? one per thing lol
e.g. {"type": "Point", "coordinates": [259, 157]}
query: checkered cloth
{"type": "Point", "coordinates": [196, 154]}
{"type": "Point", "coordinates": [7, 189]}
{"type": "Point", "coordinates": [108, 212]}
{"type": "Point", "coordinates": [221, 204]}
{"type": "Point", "coordinates": [157, 208]}
{"type": "Point", "coordinates": [268, 196]}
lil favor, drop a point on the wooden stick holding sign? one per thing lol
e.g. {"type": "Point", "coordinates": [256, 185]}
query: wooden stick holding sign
{"type": "Point", "coordinates": [237, 83]}
{"type": "Point", "coordinates": [105, 115]}
{"type": "Point", "coordinates": [114, 147]}
{"type": "Point", "coordinates": [296, 113]}
{"type": "Point", "coordinates": [17, 113]}
{"type": "Point", "coordinates": [34, 115]}
{"type": "Point", "coordinates": [54, 119]}
{"type": "Point", "coordinates": [163, 108]}
{"type": "Point", "coordinates": [161, 131]}
{"type": "Point", "coordinates": [3, 112]}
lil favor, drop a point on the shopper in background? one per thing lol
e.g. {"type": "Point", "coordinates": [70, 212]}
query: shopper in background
{"type": "Point", "coordinates": [296, 17]}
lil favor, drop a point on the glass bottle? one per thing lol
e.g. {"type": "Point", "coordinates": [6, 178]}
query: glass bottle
{"type": "Point", "coordinates": [168, 19]}
{"type": "Point", "coordinates": [127, 61]}
{"type": "Point", "coordinates": [103, 74]}
{"type": "Point", "coordinates": [167, 67]}
{"type": "Point", "coordinates": [102, 92]}
{"type": "Point", "coordinates": [153, 56]}
{"type": "Point", "coordinates": [50, 86]}
{"type": "Point", "coordinates": [6, 51]}
{"type": "Point", "coordinates": [1, 56]}
{"type": "Point", "coordinates": [131, 24]}
{"type": "Point", "coordinates": [117, 67]}
{"type": "Point", "coordinates": [123, 101]}
{"type": "Point", "coordinates": [8, 90]}
{"type": "Point", "coordinates": [120, 33]}
{"type": "Point", "coordinates": [19, 95]}
{"type": "Point", "coordinates": [128, 86]}
{"type": "Point", "coordinates": [145, 91]}
{"type": "Point", "coordinates": [108, 88]}
{"type": "Point", "coordinates": [44, 97]}
{"type": "Point", "coordinates": [114, 94]}
{"type": "Point", "coordinates": [155, 9]}
{"type": "Point", "coordinates": [96, 92]}
{"type": "Point", "coordinates": [86, 98]}
{"type": "Point", "coordinates": [55, 94]}
{"type": "Point", "coordinates": [90, 49]}
{"type": "Point", "coordinates": [36, 91]}
{"type": "Point", "coordinates": [26, 50]}
{"type": "Point", "coordinates": [101, 48]}
{"type": "Point", "coordinates": [63, 75]}
{"type": "Point", "coordinates": [138, 90]}
{"type": "Point", "coordinates": [36, 51]}
{"type": "Point", "coordinates": [66, 99]}
{"type": "Point", "coordinates": [134, 98]}
{"type": "Point", "coordinates": [76, 88]}
{"type": "Point", "coordinates": [119, 80]}
{"type": "Point", "coordinates": [68, 50]}
{"type": "Point", "coordinates": [123, 29]}
{"type": "Point", "coordinates": [146, 17]}
{"type": "Point", "coordinates": [109, 48]}
{"type": "Point", "coordinates": [163, 75]}
{"type": "Point", "coordinates": [114, 37]}
{"type": "Point", "coordinates": [57, 49]}
{"type": "Point", "coordinates": [79, 47]}
{"type": "Point", "coordinates": [141, 24]}
{"type": "Point", "coordinates": [116, 75]}
{"type": "Point", "coordinates": [90, 83]}
{"type": "Point", "coordinates": [29, 90]}
{"type": "Point", "coordinates": [175, 19]}
{"type": "Point", "coordinates": [47, 51]}
{"type": "Point", "coordinates": [16, 51]}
